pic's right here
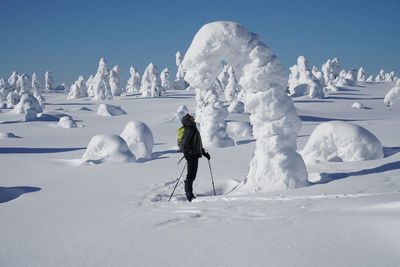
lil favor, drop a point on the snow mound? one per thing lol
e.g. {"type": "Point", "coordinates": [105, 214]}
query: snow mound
{"type": "Point", "coordinates": [108, 147]}
{"type": "Point", "coordinates": [239, 129]}
{"type": "Point", "coordinates": [139, 138]}
{"type": "Point", "coordinates": [110, 110]}
{"type": "Point", "coordinates": [341, 141]}
{"type": "Point", "coordinates": [67, 122]}
{"type": "Point", "coordinates": [236, 107]}
{"type": "Point", "coordinates": [358, 105]}
{"type": "Point", "coordinates": [26, 103]}
{"type": "Point", "coordinates": [392, 96]}
{"type": "Point", "coordinates": [8, 135]}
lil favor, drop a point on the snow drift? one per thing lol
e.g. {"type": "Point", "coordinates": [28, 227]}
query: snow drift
{"type": "Point", "coordinates": [110, 110]}
{"type": "Point", "coordinates": [66, 122]}
{"type": "Point", "coordinates": [139, 138]}
{"type": "Point", "coordinates": [275, 164]}
{"type": "Point", "coordinates": [108, 147]}
{"type": "Point", "coordinates": [341, 141]}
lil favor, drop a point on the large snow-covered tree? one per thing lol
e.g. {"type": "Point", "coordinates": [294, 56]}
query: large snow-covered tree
{"type": "Point", "coordinates": [133, 84]}
{"type": "Point", "coordinates": [275, 164]}
{"type": "Point", "coordinates": [151, 82]}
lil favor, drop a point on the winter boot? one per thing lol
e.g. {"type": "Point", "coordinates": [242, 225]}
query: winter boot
{"type": "Point", "coordinates": [190, 196]}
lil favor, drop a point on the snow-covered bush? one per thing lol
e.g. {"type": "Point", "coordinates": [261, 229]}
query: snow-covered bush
{"type": "Point", "coordinates": [108, 147]}
{"type": "Point", "coordinates": [182, 111]}
{"type": "Point", "coordinates": [371, 79]}
{"type": "Point", "coordinates": [275, 164]}
{"type": "Point", "coordinates": [357, 105]}
{"type": "Point", "coordinates": [302, 81]}
{"type": "Point", "coordinates": [133, 84]}
{"type": "Point", "coordinates": [66, 122]}
{"type": "Point", "coordinates": [165, 80]}
{"type": "Point", "coordinates": [151, 82]}
{"type": "Point", "coordinates": [78, 89]}
{"type": "Point", "coordinates": [49, 82]}
{"type": "Point", "coordinates": [392, 96]}
{"type": "Point", "coordinates": [101, 84]}
{"type": "Point", "coordinates": [110, 110]}
{"type": "Point", "coordinates": [361, 75]}
{"type": "Point", "coordinates": [341, 141]}
{"type": "Point", "coordinates": [27, 102]}
{"type": "Point", "coordinates": [139, 138]}
{"type": "Point", "coordinates": [115, 81]}
{"type": "Point", "coordinates": [347, 78]}
{"type": "Point", "coordinates": [239, 129]}
{"type": "Point", "coordinates": [36, 90]}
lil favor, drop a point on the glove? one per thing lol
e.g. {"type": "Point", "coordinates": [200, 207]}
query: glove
{"type": "Point", "coordinates": [205, 154]}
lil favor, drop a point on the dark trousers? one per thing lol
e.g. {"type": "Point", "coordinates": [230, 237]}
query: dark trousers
{"type": "Point", "coordinates": [192, 164]}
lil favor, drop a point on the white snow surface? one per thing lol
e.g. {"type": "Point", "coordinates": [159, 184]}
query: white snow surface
{"type": "Point", "coordinates": [139, 138]}
{"type": "Point", "coordinates": [56, 211]}
{"type": "Point", "coordinates": [110, 110]}
{"type": "Point", "coordinates": [107, 147]}
{"type": "Point", "coordinates": [339, 140]}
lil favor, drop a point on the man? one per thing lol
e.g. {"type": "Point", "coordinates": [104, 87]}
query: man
{"type": "Point", "coordinates": [192, 149]}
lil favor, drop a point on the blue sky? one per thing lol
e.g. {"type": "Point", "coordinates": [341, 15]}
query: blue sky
{"type": "Point", "coordinates": [69, 37]}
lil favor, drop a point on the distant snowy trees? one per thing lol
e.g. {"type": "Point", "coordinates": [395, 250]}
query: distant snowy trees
{"type": "Point", "coordinates": [180, 83]}
{"type": "Point", "coordinates": [303, 82]}
{"type": "Point", "coordinates": [151, 82]}
{"type": "Point", "coordinates": [49, 82]}
{"type": "Point", "coordinates": [78, 89]}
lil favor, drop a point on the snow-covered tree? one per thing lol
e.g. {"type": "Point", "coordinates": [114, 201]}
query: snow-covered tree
{"type": "Point", "coordinates": [390, 77]}
{"type": "Point", "coordinates": [49, 82]}
{"type": "Point", "coordinates": [5, 89]}
{"type": "Point", "coordinates": [151, 82]}
{"type": "Point", "coordinates": [13, 79]}
{"type": "Point", "coordinates": [232, 88]}
{"type": "Point", "coordinates": [165, 79]}
{"type": "Point", "coordinates": [381, 76]}
{"type": "Point", "coordinates": [24, 85]}
{"type": "Point", "coordinates": [302, 81]}
{"type": "Point", "coordinates": [133, 84]}
{"type": "Point", "coordinates": [180, 83]}
{"type": "Point", "coordinates": [331, 70]}
{"type": "Point", "coordinates": [78, 89]}
{"type": "Point", "coordinates": [275, 164]}
{"type": "Point", "coordinates": [90, 86]}
{"type": "Point", "coordinates": [319, 75]}
{"type": "Point", "coordinates": [37, 89]}
{"type": "Point", "coordinates": [101, 83]}
{"type": "Point", "coordinates": [115, 81]}
{"type": "Point", "coordinates": [223, 77]}
{"type": "Point", "coordinates": [361, 75]}
{"type": "Point", "coordinates": [392, 96]}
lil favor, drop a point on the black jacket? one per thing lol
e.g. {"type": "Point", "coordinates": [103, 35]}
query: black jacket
{"type": "Point", "coordinates": [191, 140]}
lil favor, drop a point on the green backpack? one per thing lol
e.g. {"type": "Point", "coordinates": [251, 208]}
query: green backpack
{"type": "Point", "coordinates": [180, 133]}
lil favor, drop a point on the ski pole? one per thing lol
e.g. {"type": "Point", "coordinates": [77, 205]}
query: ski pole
{"type": "Point", "coordinates": [180, 160]}
{"type": "Point", "coordinates": [212, 179]}
{"type": "Point", "coordinates": [177, 182]}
